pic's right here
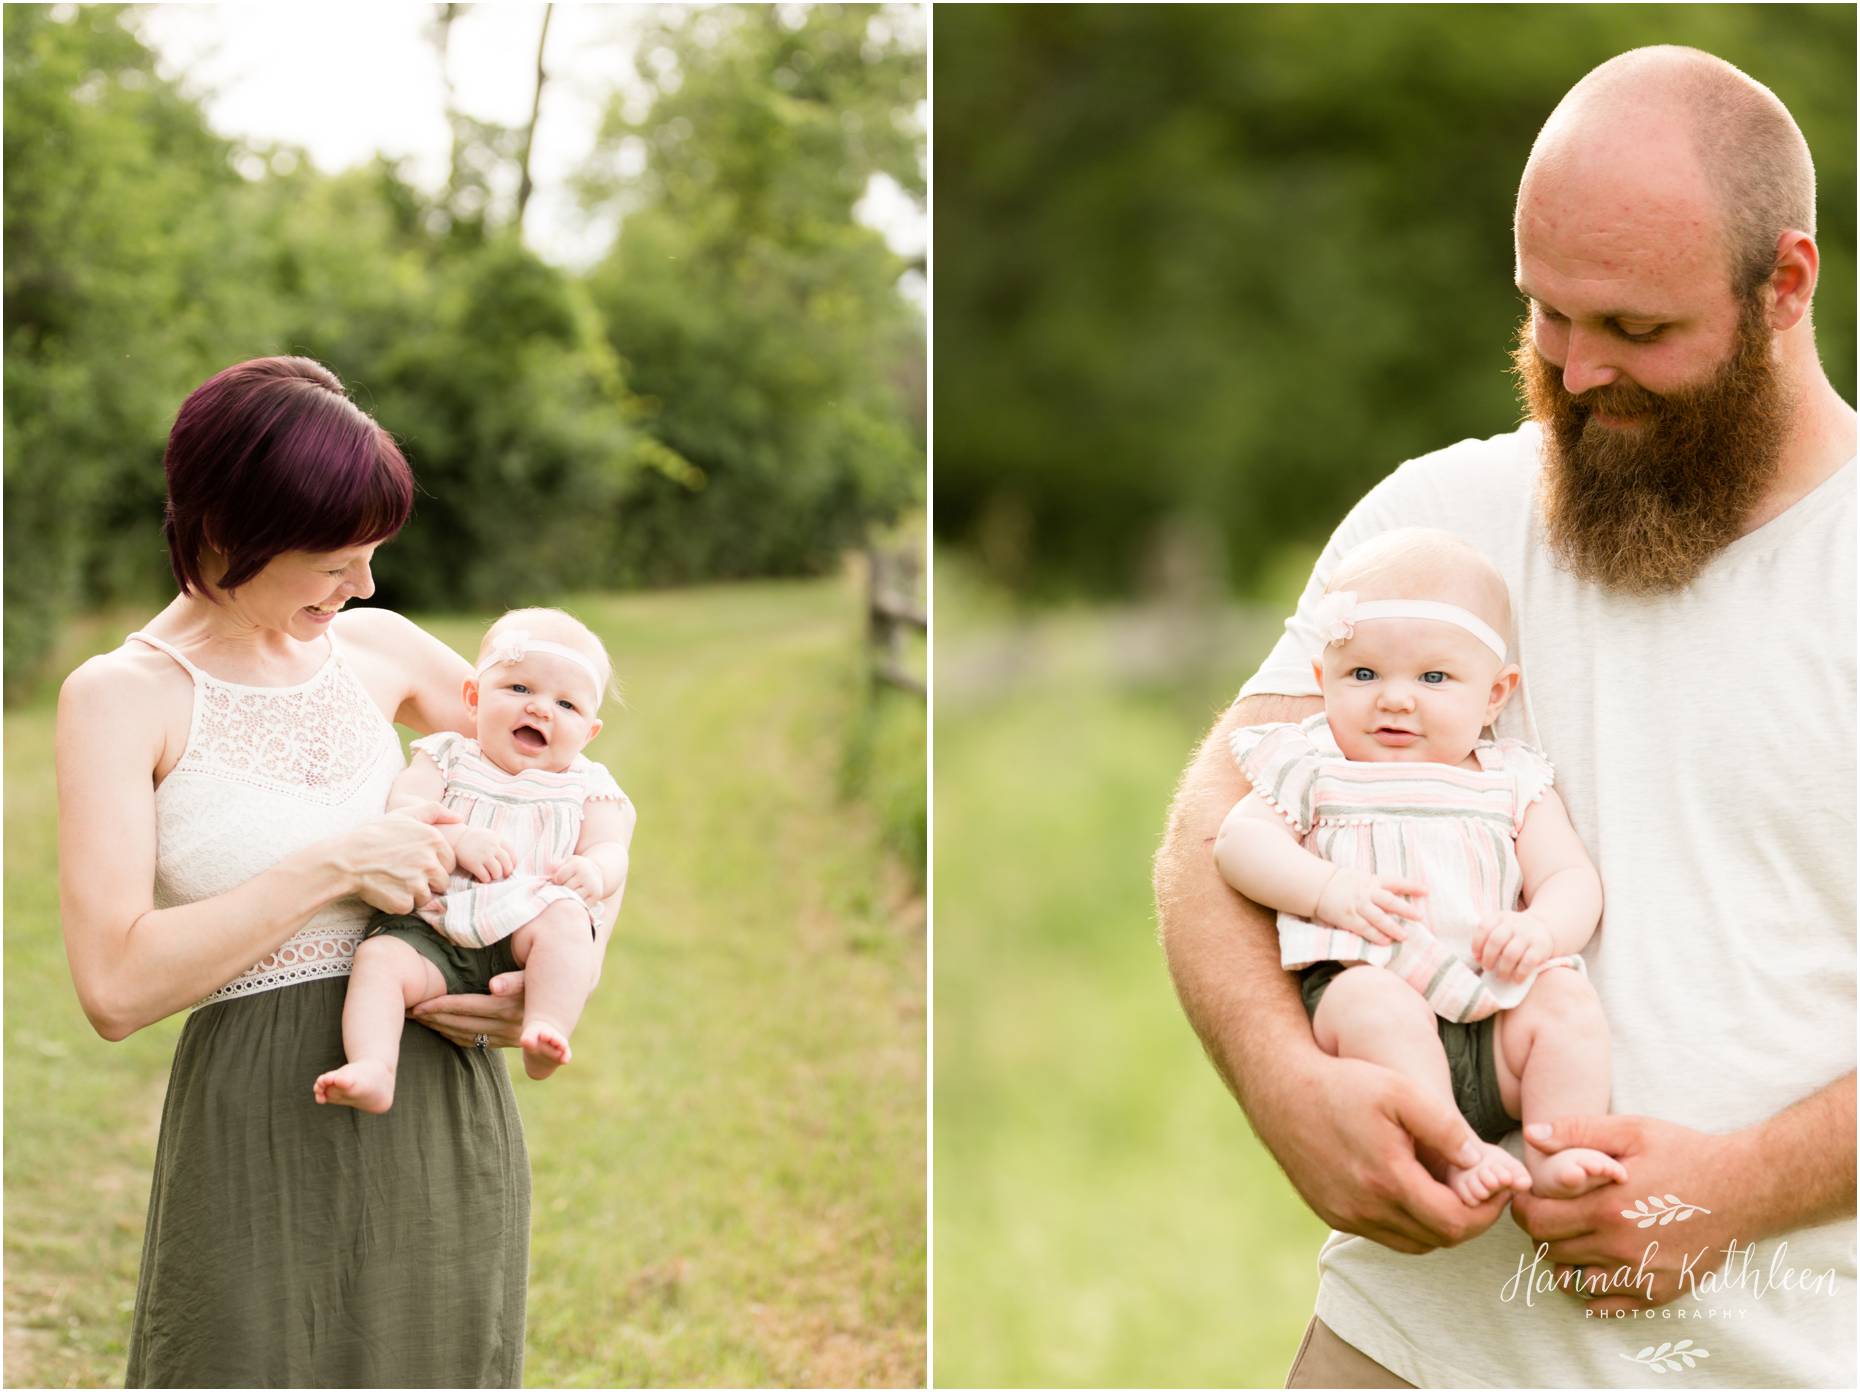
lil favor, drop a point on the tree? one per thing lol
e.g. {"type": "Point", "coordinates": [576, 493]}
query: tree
{"type": "Point", "coordinates": [746, 298]}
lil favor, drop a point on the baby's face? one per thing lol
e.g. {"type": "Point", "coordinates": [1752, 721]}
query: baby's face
{"type": "Point", "coordinates": [1411, 691]}
{"type": "Point", "coordinates": [535, 713]}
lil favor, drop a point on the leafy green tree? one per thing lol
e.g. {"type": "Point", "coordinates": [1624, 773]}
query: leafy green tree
{"type": "Point", "coordinates": [146, 252]}
{"type": "Point", "coordinates": [126, 268]}
{"type": "Point", "coordinates": [749, 303]}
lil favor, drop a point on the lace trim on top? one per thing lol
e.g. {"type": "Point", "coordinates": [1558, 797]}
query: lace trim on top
{"type": "Point", "coordinates": [267, 771]}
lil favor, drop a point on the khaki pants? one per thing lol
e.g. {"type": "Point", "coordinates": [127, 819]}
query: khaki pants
{"type": "Point", "coordinates": [1324, 1360]}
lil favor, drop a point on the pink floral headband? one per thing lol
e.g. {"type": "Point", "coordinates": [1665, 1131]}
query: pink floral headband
{"type": "Point", "coordinates": [513, 645]}
{"type": "Point", "coordinates": [1337, 614]}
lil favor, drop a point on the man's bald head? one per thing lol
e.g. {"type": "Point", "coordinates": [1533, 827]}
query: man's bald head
{"type": "Point", "coordinates": [1666, 116]}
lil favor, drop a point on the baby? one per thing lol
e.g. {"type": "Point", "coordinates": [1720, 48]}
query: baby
{"type": "Point", "coordinates": [544, 838]}
{"type": "Point", "coordinates": [1397, 845]}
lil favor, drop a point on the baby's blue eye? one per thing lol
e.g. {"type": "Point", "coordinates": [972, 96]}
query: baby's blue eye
{"type": "Point", "coordinates": [1363, 674]}
{"type": "Point", "coordinates": [520, 688]}
{"type": "Point", "coordinates": [1433, 678]}
{"type": "Point", "coordinates": [566, 704]}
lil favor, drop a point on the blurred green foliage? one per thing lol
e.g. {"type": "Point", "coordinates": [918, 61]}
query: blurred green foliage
{"type": "Point", "coordinates": [1233, 263]}
{"type": "Point", "coordinates": [742, 409]}
{"type": "Point", "coordinates": [747, 301]}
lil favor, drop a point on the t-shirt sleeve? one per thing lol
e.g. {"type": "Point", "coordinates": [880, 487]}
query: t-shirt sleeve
{"type": "Point", "coordinates": [1281, 762]}
{"type": "Point", "coordinates": [1456, 489]}
{"type": "Point", "coordinates": [1532, 773]}
{"type": "Point", "coordinates": [441, 747]}
{"type": "Point", "coordinates": [599, 785]}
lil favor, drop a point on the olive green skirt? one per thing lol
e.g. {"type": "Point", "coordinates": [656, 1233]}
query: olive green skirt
{"type": "Point", "coordinates": [297, 1245]}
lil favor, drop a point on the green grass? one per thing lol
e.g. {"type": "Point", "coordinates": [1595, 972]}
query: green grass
{"type": "Point", "coordinates": [729, 1182]}
{"type": "Point", "coordinates": [1104, 1215]}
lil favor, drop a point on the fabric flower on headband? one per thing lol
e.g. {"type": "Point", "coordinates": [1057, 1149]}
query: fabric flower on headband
{"type": "Point", "coordinates": [1334, 614]}
{"type": "Point", "coordinates": [513, 645]}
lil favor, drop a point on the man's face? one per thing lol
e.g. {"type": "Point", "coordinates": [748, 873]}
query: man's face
{"type": "Point", "coordinates": [1660, 401]}
{"type": "Point", "coordinates": [1641, 489]}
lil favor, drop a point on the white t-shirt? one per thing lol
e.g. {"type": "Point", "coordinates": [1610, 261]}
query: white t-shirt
{"type": "Point", "coordinates": [1704, 744]}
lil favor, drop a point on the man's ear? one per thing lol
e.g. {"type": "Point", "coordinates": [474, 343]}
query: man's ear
{"type": "Point", "coordinates": [1503, 685]}
{"type": "Point", "coordinates": [1793, 280]}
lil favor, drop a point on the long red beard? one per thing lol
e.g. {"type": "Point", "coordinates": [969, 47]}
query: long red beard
{"type": "Point", "coordinates": [1642, 508]}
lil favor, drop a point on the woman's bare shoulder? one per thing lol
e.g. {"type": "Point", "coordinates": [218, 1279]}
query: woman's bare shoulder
{"type": "Point", "coordinates": [124, 676]}
{"type": "Point", "coordinates": [134, 693]}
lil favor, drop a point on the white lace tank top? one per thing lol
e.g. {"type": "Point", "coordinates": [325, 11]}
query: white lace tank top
{"type": "Point", "coordinates": [267, 771]}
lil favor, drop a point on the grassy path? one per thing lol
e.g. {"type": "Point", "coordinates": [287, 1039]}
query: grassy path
{"type": "Point", "coordinates": [729, 1181]}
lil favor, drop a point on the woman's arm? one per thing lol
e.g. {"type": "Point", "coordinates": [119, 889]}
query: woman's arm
{"type": "Point", "coordinates": [410, 673]}
{"type": "Point", "coordinates": [134, 964]}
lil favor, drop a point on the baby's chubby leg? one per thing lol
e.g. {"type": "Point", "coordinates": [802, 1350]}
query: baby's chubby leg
{"type": "Point", "coordinates": [1371, 1014]}
{"type": "Point", "coordinates": [556, 951]}
{"type": "Point", "coordinates": [1553, 1062]}
{"type": "Point", "coordinates": [386, 979]}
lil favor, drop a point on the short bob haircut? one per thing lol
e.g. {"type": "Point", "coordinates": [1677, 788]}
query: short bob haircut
{"type": "Point", "coordinates": [270, 456]}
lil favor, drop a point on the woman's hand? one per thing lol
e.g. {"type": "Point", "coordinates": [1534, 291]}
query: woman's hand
{"type": "Point", "coordinates": [1370, 906]}
{"type": "Point", "coordinates": [398, 860]}
{"type": "Point", "coordinates": [461, 1019]}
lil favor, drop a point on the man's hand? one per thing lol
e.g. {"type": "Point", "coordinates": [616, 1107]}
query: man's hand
{"type": "Point", "coordinates": [1512, 945]}
{"type": "Point", "coordinates": [1353, 1156]}
{"type": "Point", "coordinates": [1370, 906]}
{"type": "Point", "coordinates": [582, 875]}
{"type": "Point", "coordinates": [483, 856]}
{"type": "Point", "coordinates": [1672, 1170]}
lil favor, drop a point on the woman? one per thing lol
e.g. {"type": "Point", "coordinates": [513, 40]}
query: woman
{"type": "Point", "coordinates": [221, 781]}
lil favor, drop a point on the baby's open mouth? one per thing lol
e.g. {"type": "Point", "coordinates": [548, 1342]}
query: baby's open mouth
{"type": "Point", "coordinates": [530, 738]}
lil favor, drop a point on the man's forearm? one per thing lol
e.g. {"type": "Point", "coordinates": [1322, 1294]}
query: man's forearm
{"type": "Point", "coordinates": [1797, 1168]}
{"type": "Point", "coordinates": [1222, 949]}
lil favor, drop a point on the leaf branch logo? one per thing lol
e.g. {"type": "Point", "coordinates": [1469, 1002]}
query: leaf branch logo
{"type": "Point", "coordinates": [1668, 1358]}
{"type": "Point", "coordinates": [1662, 1210]}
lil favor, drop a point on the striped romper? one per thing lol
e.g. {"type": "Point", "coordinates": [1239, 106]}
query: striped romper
{"type": "Point", "coordinates": [1455, 829]}
{"type": "Point", "coordinates": [536, 813]}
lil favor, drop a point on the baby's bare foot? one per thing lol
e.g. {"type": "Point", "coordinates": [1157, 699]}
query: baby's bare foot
{"type": "Point", "coordinates": [1568, 1173]}
{"type": "Point", "coordinates": [545, 1049]}
{"type": "Point", "coordinates": [1495, 1170]}
{"type": "Point", "coordinates": [367, 1085]}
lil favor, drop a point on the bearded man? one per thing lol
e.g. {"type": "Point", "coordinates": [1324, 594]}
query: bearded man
{"type": "Point", "coordinates": [1676, 524]}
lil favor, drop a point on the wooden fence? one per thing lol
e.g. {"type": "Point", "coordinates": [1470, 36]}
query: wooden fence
{"type": "Point", "coordinates": [893, 606]}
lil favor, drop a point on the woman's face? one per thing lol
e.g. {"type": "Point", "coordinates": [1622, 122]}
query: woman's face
{"type": "Point", "coordinates": [299, 592]}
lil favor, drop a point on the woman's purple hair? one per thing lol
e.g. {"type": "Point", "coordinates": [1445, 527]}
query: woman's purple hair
{"type": "Point", "coordinates": [270, 456]}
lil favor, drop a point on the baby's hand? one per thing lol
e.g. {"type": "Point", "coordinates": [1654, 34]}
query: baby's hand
{"type": "Point", "coordinates": [1370, 906]}
{"type": "Point", "coordinates": [483, 856]}
{"type": "Point", "coordinates": [1512, 944]}
{"type": "Point", "coordinates": [583, 876]}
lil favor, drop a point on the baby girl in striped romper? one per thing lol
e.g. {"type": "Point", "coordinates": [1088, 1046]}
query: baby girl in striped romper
{"type": "Point", "coordinates": [542, 840]}
{"type": "Point", "coordinates": [1432, 894]}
